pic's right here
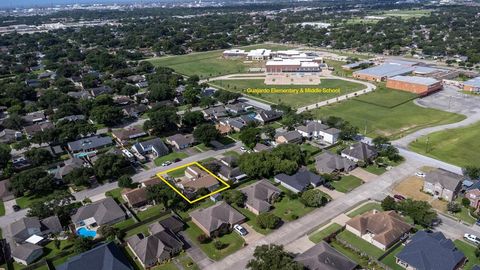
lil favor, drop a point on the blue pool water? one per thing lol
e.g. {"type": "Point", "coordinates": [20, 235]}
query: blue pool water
{"type": "Point", "coordinates": [84, 232]}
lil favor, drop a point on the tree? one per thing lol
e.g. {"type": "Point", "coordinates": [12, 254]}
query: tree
{"type": "Point", "coordinates": [192, 119]}
{"type": "Point", "coordinates": [465, 202]}
{"type": "Point", "coordinates": [226, 96]}
{"type": "Point", "coordinates": [268, 221]}
{"type": "Point", "coordinates": [82, 244]}
{"type": "Point", "coordinates": [162, 194]}
{"type": "Point", "coordinates": [22, 182]}
{"type": "Point", "coordinates": [205, 133]}
{"type": "Point", "coordinates": [270, 132]}
{"type": "Point", "coordinates": [125, 182]}
{"type": "Point", "coordinates": [107, 115]}
{"type": "Point", "coordinates": [234, 196]}
{"type": "Point", "coordinates": [59, 203]}
{"type": "Point", "coordinates": [313, 198]}
{"type": "Point", "coordinates": [272, 257]}
{"type": "Point", "coordinates": [160, 91]}
{"type": "Point", "coordinates": [250, 136]}
{"type": "Point", "coordinates": [79, 176]}
{"type": "Point", "coordinates": [380, 141]}
{"type": "Point", "coordinates": [420, 211]}
{"type": "Point", "coordinates": [38, 156]}
{"type": "Point", "coordinates": [110, 166]}
{"type": "Point", "coordinates": [454, 207]}
{"type": "Point", "coordinates": [162, 120]}
{"type": "Point", "coordinates": [4, 155]}
{"type": "Point", "coordinates": [108, 232]}
{"type": "Point", "coordinates": [389, 204]}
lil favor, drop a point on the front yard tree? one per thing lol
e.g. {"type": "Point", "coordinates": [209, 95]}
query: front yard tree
{"type": "Point", "coordinates": [389, 204]}
{"type": "Point", "coordinates": [110, 166]}
{"type": "Point", "coordinates": [250, 136]}
{"type": "Point", "coordinates": [205, 133]}
{"type": "Point", "coordinates": [162, 120]}
{"type": "Point", "coordinates": [125, 182]}
{"type": "Point", "coordinates": [272, 257]}
{"type": "Point", "coordinates": [234, 196]}
{"type": "Point", "coordinates": [107, 232]}
{"type": "Point", "coordinates": [421, 212]}
{"type": "Point", "coordinates": [4, 154]}
{"type": "Point", "coordinates": [79, 176]}
{"type": "Point", "coordinates": [313, 198]}
{"type": "Point", "coordinates": [454, 207]}
{"type": "Point", "coordinates": [192, 119]}
{"type": "Point", "coordinates": [268, 221]}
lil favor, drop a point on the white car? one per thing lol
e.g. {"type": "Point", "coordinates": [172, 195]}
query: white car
{"type": "Point", "coordinates": [243, 149]}
{"type": "Point", "coordinates": [472, 238]}
{"type": "Point", "coordinates": [166, 163]}
{"type": "Point", "coordinates": [420, 174]}
{"type": "Point", "coordinates": [240, 230]}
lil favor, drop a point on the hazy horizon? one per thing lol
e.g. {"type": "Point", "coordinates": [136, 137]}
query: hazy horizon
{"type": "Point", "coordinates": [33, 3]}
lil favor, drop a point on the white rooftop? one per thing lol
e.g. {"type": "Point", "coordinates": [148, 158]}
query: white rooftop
{"type": "Point", "coordinates": [417, 80]}
{"type": "Point", "coordinates": [259, 52]}
{"type": "Point", "coordinates": [34, 239]}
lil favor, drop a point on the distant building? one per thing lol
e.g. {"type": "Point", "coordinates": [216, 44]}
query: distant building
{"type": "Point", "coordinates": [472, 85]}
{"type": "Point", "coordinates": [417, 85]}
{"type": "Point", "coordinates": [123, 136]}
{"type": "Point", "coordinates": [259, 54]}
{"type": "Point", "coordinates": [289, 137]}
{"type": "Point", "coordinates": [234, 53]}
{"type": "Point", "coordinates": [382, 72]}
{"type": "Point", "coordinates": [137, 197]}
{"type": "Point", "coordinates": [323, 257]}
{"type": "Point", "coordinates": [299, 181]}
{"type": "Point", "coordinates": [180, 141]}
{"type": "Point", "coordinates": [268, 116]}
{"type": "Point", "coordinates": [103, 212]}
{"type": "Point", "coordinates": [260, 196]}
{"type": "Point", "coordinates": [317, 130]}
{"type": "Point", "coordinates": [89, 145]}
{"type": "Point", "coordinates": [220, 216]}
{"type": "Point", "coordinates": [443, 184]}
{"type": "Point", "coordinates": [156, 147]}
{"type": "Point", "coordinates": [328, 162]}
{"type": "Point", "coordinates": [360, 152]}
{"type": "Point", "coordinates": [292, 65]}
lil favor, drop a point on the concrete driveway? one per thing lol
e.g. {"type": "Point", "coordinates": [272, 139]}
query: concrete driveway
{"type": "Point", "coordinates": [8, 206]}
{"type": "Point", "coordinates": [363, 174]}
{"type": "Point", "coordinates": [332, 193]}
{"type": "Point", "coordinates": [252, 235]}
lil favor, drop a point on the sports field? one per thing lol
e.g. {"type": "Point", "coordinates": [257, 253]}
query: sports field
{"type": "Point", "coordinates": [294, 100]}
{"type": "Point", "coordinates": [457, 146]}
{"type": "Point", "coordinates": [387, 112]}
{"type": "Point", "coordinates": [210, 64]}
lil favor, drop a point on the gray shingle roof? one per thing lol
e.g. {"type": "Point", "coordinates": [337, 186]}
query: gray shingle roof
{"type": "Point", "coordinates": [213, 217]}
{"type": "Point", "coordinates": [300, 180]}
{"type": "Point", "coordinates": [103, 257]}
{"type": "Point", "coordinates": [328, 162]}
{"type": "Point", "coordinates": [361, 151]}
{"type": "Point", "coordinates": [312, 126]}
{"type": "Point", "coordinates": [156, 145]}
{"type": "Point", "coordinates": [324, 257]}
{"type": "Point", "coordinates": [260, 194]}
{"type": "Point", "coordinates": [89, 143]}
{"type": "Point", "coordinates": [104, 212]}
{"type": "Point", "coordinates": [24, 251]}
{"type": "Point", "coordinates": [431, 251]}
{"type": "Point", "coordinates": [448, 180]}
{"type": "Point", "coordinates": [22, 229]}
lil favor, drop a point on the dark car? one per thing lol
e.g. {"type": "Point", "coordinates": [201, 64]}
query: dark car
{"type": "Point", "coordinates": [16, 208]}
{"type": "Point", "coordinates": [329, 186]}
{"type": "Point", "coordinates": [399, 197]}
{"type": "Point", "coordinates": [177, 160]}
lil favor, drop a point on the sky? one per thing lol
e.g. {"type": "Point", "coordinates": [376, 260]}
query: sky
{"type": "Point", "coordinates": [31, 3]}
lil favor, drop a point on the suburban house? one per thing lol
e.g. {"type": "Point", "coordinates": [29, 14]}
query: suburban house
{"type": "Point", "coordinates": [123, 136]}
{"type": "Point", "coordinates": [473, 195]}
{"type": "Point", "coordinates": [103, 212]}
{"type": "Point", "coordinates": [180, 141]}
{"type": "Point", "coordinates": [150, 182]}
{"type": "Point", "coordinates": [34, 117]}
{"type": "Point", "coordinates": [26, 253]}
{"type": "Point", "coordinates": [268, 116]}
{"type": "Point", "coordinates": [381, 229]}
{"type": "Point", "coordinates": [237, 108]}
{"type": "Point", "coordinates": [156, 147]}
{"type": "Point", "coordinates": [260, 196]}
{"type": "Point", "coordinates": [161, 245]}
{"type": "Point", "coordinates": [443, 184]}
{"type": "Point", "coordinates": [289, 137]}
{"type": "Point", "coordinates": [328, 163]}
{"type": "Point", "coordinates": [32, 130]}
{"type": "Point", "coordinates": [135, 198]}
{"type": "Point", "coordinates": [317, 130]}
{"type": "Point", "coordinates": [97, 91]}
{"type": "Point", "coordinates": [195, 179]}
{"type": "Point", "coordinates": [217, 217]}
{"type": "Point", "coordinates": [173, 223]}
{"type": "Point", "coordinates": [134, 110]}
{"type": "Point", "coordinates": [323, 257]}
{"type": "Point", "coordinates": [430, 251]}
{"type": "Point", "coordinates": [229, 170]}
{"type": "Point", "coordinates": [360, 152]}
{"type": "Point", "coordinates": [88, 145]}
{"type": "Point", "coordinates": [68, 166]}
{"type": "Point", "coordinates": [103, 257]}
{"type": "Point", "coordinates": [215, 113]}
{"type": "Point", "coordinates": [259, 147]}
{"type": "Point", "coordinates": [21, 230]}
{"type": "Point", "coordinates": [299, 181]}
{"type": "Point", "coordinates": [9, 135]}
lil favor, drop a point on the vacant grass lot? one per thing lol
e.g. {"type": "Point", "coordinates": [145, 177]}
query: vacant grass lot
{"type": "Point", "coordinates": [318, 236]}
{"type": "Point", "coordinates": [456, 146]}
{"type": "Point", "coordinates": [347, 183]}
{"type": "Point", "coordinates": [294, 100]}
{"type": "Point", "coordinates": [288, 209]}
{"type": "Point", "coordinates": [374, 119]}
{"type": "Point", "coordinates": [210, 64]}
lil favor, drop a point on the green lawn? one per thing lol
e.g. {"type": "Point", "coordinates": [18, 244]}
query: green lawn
{"type": "Point", "coordinates": [26, 201]}
{"type": "Point", "coordinates": [391, 261]}
{"type": "Point", "coordinates": [170, 157]}
{"type": "Point", "coordinates": [178, 172]}
{"type": "Point", "coordinates": [294, 100]}
{"type": "Point", "coordinates": [151, 211]}
{"type": "Point", "coordinates": [352, 255]}
{"type": "Point", "coordinates": [318, 236]}
{"type": "Point", "coordinates": [2, 208]}
{"type": "Point", "coordinates": [373, 168]}
{"type": "Point", "coordinates": [360, 244]}
{"type": "Point", "coordinates": [187, 262]}
{"type": "Point", "coordinates": [464, 213]}
{"type": "Point", "coordinates": [252, 220]}
{"type": "Point", "coordinates": [124, 224]}
{"type": "Point", "coordinates": [407, 13]}
{"type": "Point", "coordinates": [310, 149]}
{"type": "Point", "coordinates": [116, 194]}
{"type": "Point", "coordinates": [232, 154]}
{"type": "Point", "coordinates": [165, 266]}
{"type": "Point", "coordinates": [202, 147]}
{"type": "Point", "coordinates": [469, 252]}
{"type": "Point", "coordinates": [288, 209]}
{"type": "Point", "coordinates": [365, 208]}
{"type": "Point", "coordinates": [210, 64]}
{"type": "Point", "coordinates": [233, 240]}
{"type": "Point", "coordinates": [372, 114]}
{"type": "Point", "coordinates": [347, 183]}
{"type": "Point", "coordinates": [456, 146]}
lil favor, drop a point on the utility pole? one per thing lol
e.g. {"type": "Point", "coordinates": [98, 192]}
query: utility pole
{"type": "Point", "coordinates": [426, 144]}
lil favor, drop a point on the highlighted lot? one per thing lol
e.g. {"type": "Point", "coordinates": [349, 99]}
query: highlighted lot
{"type": "Point", "coordinates": [175, 173]}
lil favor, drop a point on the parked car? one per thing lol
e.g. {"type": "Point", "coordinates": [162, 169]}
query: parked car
{"type": "Point", "coordinates": [329, 186]}
{"type": "Point", "coordinates": [472, 238]}
{"type": "Point", "coordinates": [16, 208]}
{"type": "Point", "coordinates": [243, 149]}
{"type": "Point", "coordinates": [177, 160]}
{"type": "Point", "coordinates": [240, 230]}
{"type": "Point", "coordinates": [166, 163]}
{"type": "Point", "coordinates": [420, 174]}
{"type": "Point", "coordinates": [399, 197]}
{"type": "Point", "coordinates": [478, 222]}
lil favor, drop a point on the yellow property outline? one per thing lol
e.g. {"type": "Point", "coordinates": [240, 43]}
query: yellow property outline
{"type": "Point", "coordinates": [227, 186]}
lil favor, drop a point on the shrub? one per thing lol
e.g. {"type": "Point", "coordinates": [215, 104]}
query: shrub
{"type": "Point", "coordinates": [453, 207]}
{"type": "Point", "coordinates": [219, 245]}
{"type": "Point", "coordinates": [203, 239]}
{"type": "Point", "coordinates": [465, 202]}
{"type": "Point", "coordinates": [268, 220]}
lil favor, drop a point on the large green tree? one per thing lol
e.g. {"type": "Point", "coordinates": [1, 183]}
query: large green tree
{"type": "Point", "coordinates": [205, 133]}
{"type": "Point", "coordinates": [272, 257]}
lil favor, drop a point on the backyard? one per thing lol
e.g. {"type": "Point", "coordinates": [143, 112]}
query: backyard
{"type": "Point", "coordinates": [210, 64]}
{"type": "Point", "coordinates": [456, 146]}
{"type": "Point", "coordinates": [294, 100]}
{"type": "Point", "coordinates": [386, 112]}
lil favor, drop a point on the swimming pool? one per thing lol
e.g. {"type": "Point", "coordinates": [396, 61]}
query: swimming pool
{"type": "Point", "coordinates": [84, 232]}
